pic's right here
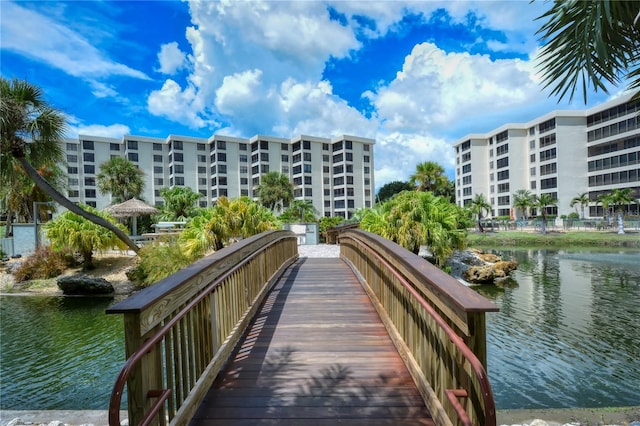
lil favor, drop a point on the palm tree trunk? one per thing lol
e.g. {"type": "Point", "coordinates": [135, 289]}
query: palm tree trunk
{"type": "Point", "coordinates": [65, 202]}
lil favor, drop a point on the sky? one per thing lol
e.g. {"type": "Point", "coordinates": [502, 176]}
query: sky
{"type": "Point", "coordinates": [416, 76]}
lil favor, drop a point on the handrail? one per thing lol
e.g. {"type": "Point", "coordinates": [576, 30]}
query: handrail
{"type": "Point", "coordinates": [257, 248]}
{"type": "Point", "coordinates": [457, 340]}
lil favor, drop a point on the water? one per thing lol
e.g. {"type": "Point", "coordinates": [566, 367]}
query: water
{"type": "Point", "coordinates": [568, 331]}
{"type": "Point", "coordinates": [60, 353]}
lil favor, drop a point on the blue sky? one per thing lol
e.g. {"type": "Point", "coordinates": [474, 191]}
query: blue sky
{"type": "Point", "coordinates": [416, 76]}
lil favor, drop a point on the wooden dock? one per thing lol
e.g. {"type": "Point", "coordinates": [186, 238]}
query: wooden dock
{"type": "Point", "coordinates": [316, 354]}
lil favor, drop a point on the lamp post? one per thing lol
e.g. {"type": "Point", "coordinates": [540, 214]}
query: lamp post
{"type": "Point", "coordinates": [35, 218]}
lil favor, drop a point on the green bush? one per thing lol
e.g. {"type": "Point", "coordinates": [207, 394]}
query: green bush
{"type": "Point", "coordinates": [158, 261]}
{"type": "Point", "coordinates": [42, 264]}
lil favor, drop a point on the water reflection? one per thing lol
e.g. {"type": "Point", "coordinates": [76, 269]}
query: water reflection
{"type": "Point", "coordinates": [569, 334]}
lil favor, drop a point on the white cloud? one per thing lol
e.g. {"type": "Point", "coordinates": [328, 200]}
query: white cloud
{"type": "Point", "coordinates": [50, 42]}
{"type": "Point", "coordinates": [110, 131]}
{"type": "Point", "coordinates": [184, 106]}
{"type": "Point", "coordinates": [171, 58]}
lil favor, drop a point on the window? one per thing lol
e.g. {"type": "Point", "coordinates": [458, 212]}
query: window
{"type": "Point", "coordinates": [284, 158]}
{"type": "Point", "coordinates": [532, 171]}
{"type": "Point", "coordinates": [244, 181]}
{"type": "Point", "coordinates": [222, 156]}
{"type": "Point", "coordinates": [114, 147]}
{"type": "Point", "coordinates": [503, 187]}
{"type": "Point", "coordinates": [325, 147]}
{"type": "Point", "coordinates": [548, 154]}
{"type": "Point", "coordinates": [222, 168]}
{"type": "Point", "coordinates": [264, 168]}
{"type": "Point", "coordinates": [157, 147]}
{"type": "Point", "coordinates": [201, 147]}
{"type": "Point", "coordinates": [308, 192]}
{"type": "Point", "coordinates": [132, 156]}
{"type": "Point", "coordinates": [466, 168]}
{"type": "Point", "coordinates": [502, 149]}
{"type": "Point", "coordinates": [307, 180]}
{"type": "Point", "coordinates": [202, 158]}
{"type": "Point", "coordinates": [244, 169]}
{"type": "Point", "coordinates": [264, 156]}
{"type": "Point", "coordinates": [466, 180]}
{"type": "Point", "coordinates": [73, 193]}
{"type": "Point", "coordinates": [503, 175]}
{"type": "Point", "coordinates": [503, 162]}
{"type": "Point", "coordinates": [547, 125]}
{"type": "Point", "coordinates": [467, 156]}
{"type": "Point", "coordinates": [366, 170]}
{"type": "Point", "coordinates": [502, 136]}
{"type": "Point", "coordinates": [73, 147]}
{"type": "Point", "coordinates": [90, 193]}
{"type": "Point", "coordinates": [178, 156]}
{"type": "Point", "coordinates": [306, 145]}
{"type": "Point", "coordinates": [547, 169]}
{"type": "Point", "coordinates": [338, 170]}
{"type": "Point", "coordinates": [285, 170]}
{"type": "Point", "coordinates": [547, 140]}
{"type": "Point", "coordinates": [179, 168]}
{"type": "Point", "coordinates": [532, 158]}
{"type": "Point", "coordinates": [89, 168]}
{"type": "Point", "coordinates": [177, 145]}
{"type": "Point", "coordinates": [88, 156]}
{"type": "Point", "coordinates": [73, 181]}
{"type": "Point", "coordinates": [295, 147]}
{"type": "Point", "coordinates": [72, 158]}
{"type": "Point", "coordinates": [365, 148]}
{"type": "Point", "coordinates": [87, 145]}
{"type": "Point", "coordinates": [132, 144]}
{"type": "Point", "coordinates": [326, 158]}
{"type": "Point", "coordinates": [157, 169]}
{"type": "Point", "coordinates": [465, 145]}
{"type": "Point", "coordinates": [548, 183]}
{"type": "Point", "coordinates": [366, 159]}
{"type": "Point", "coordinates": [307, 168]}
{"type": "Point", "coordinates": [306, 156]}
{"type": "Point", "coordinates": [338, 181]}
{"type": "Point", "coordinates": [337, 146]}
{"type": "Point", "coordinates": [297, 170]}
{"type": "Point", "coordinates": [157, 158]}
{"type": "Point", "coordinates": [338, 157]}
{"type": "Point", "coordinates": [90, 181]}
{"type": "Point", "coordinates": [72, 170]}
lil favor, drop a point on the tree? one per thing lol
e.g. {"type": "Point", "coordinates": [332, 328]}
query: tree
{"type": "Point", "coordinates": [121, 178]}
{"type": "Point", "coordinates": [70, 230]}
{"type": "Point", "coordinates": [583, 200]}
{"type": "Point", "coordinates": [542, 202]}
{"type": "Point", "coordinates": [590, 43]}
{"type": "Point", "coordinates": [299, 211]}
{"type": "Point", "coordinates": [429, 176]}
{"type": "Point", "coordinates": [390, 189]}
{"type": "Point", "coordinates": [179, 203]}
{"type": "Point", "coordinates": [620, 198]}
{"type": "Point", "coordinates": [606, 201]}
{"type": "Point", "coordinates": [30, 132]}
{"type": "Point", "coordinates": [275, 191]}
{"type": "Point", "coordinates": [479, 205]}
{"type": "Point", "coordinates": [523, 199]}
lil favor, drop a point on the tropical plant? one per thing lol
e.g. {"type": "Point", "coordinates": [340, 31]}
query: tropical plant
{"type": "Point", "coordinates": [479, 205]}
{"type": "Point", "coordinates": [542, 202]}
{"type": "Point", "coordinates": [390, 189]}
{"type": "Point", "coordinates": [606, 201]}
{"type": "Point", "coordinates": [30, 134]}
{"type": "Point", "coordinates": [73, 231]}
{"type": "Point", "coordinates": [43, 263]}
{"type": "Point", "coordinates": [583, 200]}
{"type": "Point", "coordinates": [275, 191]}
{"type": "Point", "coordinates": [429, 176]}
{"type": "Point", "coordinates": [179, 203]}
{"type": "Point", "coordinates": [523, 200]}
{"type": "Point", "coordinates": [326, 223]}
{"type": "Point", "coordinates": [414, 218]}
{"type": "Point", "coordinates": [620, 198]}
{"type": "Point", "coordinates": [590, 43]}
{"type": "Point", "coordinates": [121, 178]}
{"type": "Point", "coordinates": [153, 265]}
{"type": "Point", "coordinates": [299, 210]}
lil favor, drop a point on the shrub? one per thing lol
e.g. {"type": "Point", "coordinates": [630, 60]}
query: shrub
{"type": "Point", "coordinates": [43, 263]}
{"type": "Point", "coordinates": [158, 261]}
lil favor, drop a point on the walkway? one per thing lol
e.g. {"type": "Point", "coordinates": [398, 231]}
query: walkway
{"type": "Point", "coordinates": [316, 354]}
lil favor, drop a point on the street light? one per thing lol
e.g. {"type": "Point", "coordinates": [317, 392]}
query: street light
{"type": "Point", "coordinates": [35, 218]}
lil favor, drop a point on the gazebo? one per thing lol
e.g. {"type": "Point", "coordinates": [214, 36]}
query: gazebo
{"type": "Point", "coordinates": [132, 208]}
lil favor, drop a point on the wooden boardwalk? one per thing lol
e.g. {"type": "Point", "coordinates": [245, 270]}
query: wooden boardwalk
{"type": "Point", "coordinates": [316, 354]}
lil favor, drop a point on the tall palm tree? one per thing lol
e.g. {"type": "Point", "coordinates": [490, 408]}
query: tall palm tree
{"type": "Point", "coordinates": [582, 199]}
{"type": "Point", "coordinates": [606, 201]}
{"type": "Point", "coordinates": [590, 43]}
{"type": "Point", "coordinates": [275, 191]}
{"type": "Point", "coordinates": [429, 176]}
{"type": "Point", "coordinates": [121, 178]}
{"type": "Point", "coordinates": [299, 210]}
{"type": "Point", "coordinates": [479, 205]}
{"type": "Point", "coordinates": [523, 200]}
{"type": "Point", "coordinates": [619, 199]}
{"type": "Point", "coordinates": [542, 202]}
{"type": "Point", "coordinates": [30, 131]}
{"type": "Point", "coordinates": [179, 203]}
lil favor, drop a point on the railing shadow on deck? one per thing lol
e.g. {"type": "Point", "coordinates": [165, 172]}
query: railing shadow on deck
{"type": "Point", "coordinates": [437, 324]}
{"type": "Point", "coordinates": [177, 338]}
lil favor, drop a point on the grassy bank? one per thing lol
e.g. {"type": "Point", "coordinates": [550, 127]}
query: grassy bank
{"type": "Point", "coordinates": [554, 239]}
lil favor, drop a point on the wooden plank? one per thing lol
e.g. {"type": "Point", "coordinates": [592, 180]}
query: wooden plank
{"type": "Point", "coordinates": [316, 353]}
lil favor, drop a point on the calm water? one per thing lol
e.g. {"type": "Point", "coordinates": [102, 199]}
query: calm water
{"type": "Point", "coordinates": [568, 332]}
{"type": "Point", "coordinates": [567, 335]}
{"type": "Point", "coordinates": [58, 353]}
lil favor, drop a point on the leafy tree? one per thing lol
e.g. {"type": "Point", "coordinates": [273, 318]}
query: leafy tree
{"type": "Point", "coordinates": [606, 201]}
{"type": "Point", "coordinates": [275, 191]}
{"type": "Point", "coordinates": [390, 189]}
{"type": "Point", "coordinates": [523, 200]}
{"type": "Point", "coordinates": [583, 200]}
{"type": "Point", "coordinates": [429, 176]}
{"type": "Point", "coordinates": [299, 210]}
{"type": "Point", "coordinates": [121, 178]}
{"type": "Point", "coordinates": [542, 202]}
{"type": "Point", "coordinates": [414, 218]}
{"type": "Point", "coordinates": [70, 230]}
{"type": "Point", "coordinates": [30, 134]}
{"type": "Point", "coordinates": [326, 223]}
{"type": "Point", "coordinates": [179, 203]}
{"type": "Point", "coordinates": [447, 190]}
{"type": "Point", "coordinates": [479, 205]}
{"type": "Point", "coordinates": [620, 198]}
{"type": "Point", "coordinates": [590, 43]}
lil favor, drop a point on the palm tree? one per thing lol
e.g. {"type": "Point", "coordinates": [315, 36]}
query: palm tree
{"type": "Point", "coordinates": [429, 176]}
{"type": "Point", "coordinates": [179, 203]}
{"type": "Point", "coordinates": [541, 202]}
{"type": "Point", "coordinates": [121, 178]}
{"type": "Point", "coordinates": [479, 205]}
{"type": "Point", "coordinates": [590, 43]}
{"type": "Point", "coordinates": [619, 199]}
{"type": "Point", "coordinates": [30, 132]}
{"type": "Point", "coordinates": [299, 210]}
{"type": "Point", "coordinates": [70, 230]}
{"type": "Point", "coordinates": [606, 201]}
{"type": "Point", "coordinates": [275, 191]}
{"type": "Point", "coordinates": [583, 200]}
{"type": "Point", "coordinates": [522, 199]}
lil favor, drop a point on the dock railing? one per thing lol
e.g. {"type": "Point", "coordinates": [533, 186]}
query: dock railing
{"type": "Point", "coordinates": [437, 324]}
{"type": "Point", "coordinates": [180, 331]}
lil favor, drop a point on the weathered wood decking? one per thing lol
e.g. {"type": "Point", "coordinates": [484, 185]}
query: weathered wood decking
{"type": "Point", "coordinates": [316, 354]}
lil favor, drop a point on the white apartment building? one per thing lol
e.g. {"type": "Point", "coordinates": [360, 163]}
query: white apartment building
{"type": "Point", "coordinates": [335, 174]}
{"type": "Point", "coordinates": [563, 153]}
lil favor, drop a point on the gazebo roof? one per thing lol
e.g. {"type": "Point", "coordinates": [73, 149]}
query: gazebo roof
{"type": "Point", "coordinates": [132, 207]}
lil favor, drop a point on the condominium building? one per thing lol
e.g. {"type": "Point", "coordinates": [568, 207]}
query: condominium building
{"type": "Point", "coordinates": [562, 153]}
{"type": "Point", "coordinates": [335, 174]}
